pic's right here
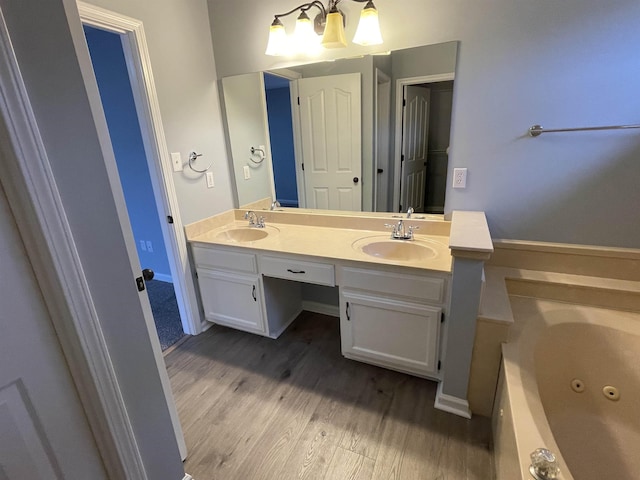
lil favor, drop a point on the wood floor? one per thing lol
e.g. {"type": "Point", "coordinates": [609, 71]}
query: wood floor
{"type": "Point", "coordinates": [254, 408]}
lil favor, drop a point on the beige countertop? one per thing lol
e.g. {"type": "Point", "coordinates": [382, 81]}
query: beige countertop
{"type": "Point", "coordinates": [327, 236]}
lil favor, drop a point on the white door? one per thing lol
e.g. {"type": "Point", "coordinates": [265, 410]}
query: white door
{"type": "Point", "coordinates": [330, 125]}
{"type": "Point", "coordinates": [43, 430]}
{"type": "Point", "coordinates": [415, 136]}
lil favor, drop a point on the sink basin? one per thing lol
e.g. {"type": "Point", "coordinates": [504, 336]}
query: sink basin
{"type": "Point", "coordinates": [396, 250]}
{"type": "Point", "coordinates": [245, 234]}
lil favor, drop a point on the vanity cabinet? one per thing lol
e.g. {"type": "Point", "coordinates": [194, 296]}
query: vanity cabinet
{"type": "Point", "coordinates": [232, 299]}
{"type": "Point", "coordinates": [392, 319]}
{"type": "Point", "coordinates": [231, 289]}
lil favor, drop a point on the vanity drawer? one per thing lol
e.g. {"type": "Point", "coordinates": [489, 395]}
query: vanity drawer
{"type": "Point", "coordinates": [289, 269]}
{"type": "Point", "coordinates": [421, 287]}
{"type": "Point", "coordinates": [217, 258]}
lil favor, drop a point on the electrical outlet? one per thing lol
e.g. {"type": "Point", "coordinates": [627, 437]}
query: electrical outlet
{"type": "Point", "coordinates": [176, 161]}
{"type": "Point", "coordinates": [247, 172]}
{"type": "Point", "coordinates": [210, 183]}
{"type": "Point", "coordinates": [149, 246]}
{"type": "Point", "coordinates": [459, 178]}
{"type": "Point", "coordinates": [143, 246]}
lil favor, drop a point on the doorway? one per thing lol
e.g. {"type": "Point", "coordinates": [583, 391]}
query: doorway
{"type": "Point", "coordinates": [109, 64]}
{"type": "Point", "coordinates": [280, 122]}
{"type": "Point", "coordinates": [423, 108]}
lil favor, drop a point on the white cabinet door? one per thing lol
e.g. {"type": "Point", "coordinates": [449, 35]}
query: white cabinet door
{"type": "Point", "coordinates": [390, 332]}
{"type": "Point", "coordinates": [233, 299]}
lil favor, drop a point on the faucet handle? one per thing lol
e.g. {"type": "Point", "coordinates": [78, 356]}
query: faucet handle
{"type": "Point", "coordinates": [394, 227]}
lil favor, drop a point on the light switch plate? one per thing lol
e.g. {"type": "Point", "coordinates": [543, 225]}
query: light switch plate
{"type": "Point", "coordinates": [176, 161]}
{"type": "Point", "coordinates": [247, 172]}
{"type": "Point", "coordinates": [210, 183]}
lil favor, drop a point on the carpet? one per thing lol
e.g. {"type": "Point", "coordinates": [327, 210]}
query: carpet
{"type": "Point", "coordinates": [165, 312]}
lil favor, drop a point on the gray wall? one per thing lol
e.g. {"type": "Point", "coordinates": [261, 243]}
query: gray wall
{"type": "Point", "coordinates": [179, 41]}
{"type": "Point", "coordinates": [560, 64]}
{"type": "Point", "coordinates": [51, 69]}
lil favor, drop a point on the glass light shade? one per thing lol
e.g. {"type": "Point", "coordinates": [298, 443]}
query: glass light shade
{"type": "Point", "coordinates": [334, 32]}
{"type": "Point", "coordinates": [368, 32]}
{"type": "Point", "coordinates": [278, 42]}
{"type": "Point", "coordinates": [306, 39]}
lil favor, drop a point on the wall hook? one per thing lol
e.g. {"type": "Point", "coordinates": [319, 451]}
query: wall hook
{"type": "Point", "coordinates": [192, 158]}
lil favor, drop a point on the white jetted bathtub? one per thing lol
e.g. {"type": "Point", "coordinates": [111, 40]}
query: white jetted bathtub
{"type": "Point", "coordinates": [570, 382]}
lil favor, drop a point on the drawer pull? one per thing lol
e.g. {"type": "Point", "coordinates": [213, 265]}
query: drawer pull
{"type": "Point", "coordinates": [295, 271]}
{"type": "Point", "coordinates": [348, 312]}
{"type": "Point", "coordinates": [253, 294]}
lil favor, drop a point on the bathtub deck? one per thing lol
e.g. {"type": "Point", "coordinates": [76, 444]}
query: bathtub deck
{"type": "Point", "coordinates": [256, 408]}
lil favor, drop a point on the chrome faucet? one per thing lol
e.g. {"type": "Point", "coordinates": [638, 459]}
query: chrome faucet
{"type": "Point", "coordinates": [399, 232]}
{"type": "Point", "coordinates": [409, 212]}
{"type": "Point", "coordinates": [254, 220]}
{"type": "Point", "coordinates": [544, 465]}
{"type": "Point", "coordinates": [275, 204]}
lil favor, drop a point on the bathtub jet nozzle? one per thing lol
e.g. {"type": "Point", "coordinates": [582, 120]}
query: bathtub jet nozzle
{"type": "Point", "coordinates": [544, 465]}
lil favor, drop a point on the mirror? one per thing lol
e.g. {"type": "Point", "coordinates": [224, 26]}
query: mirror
{"type": "Point", "coordinates": [369, 133]}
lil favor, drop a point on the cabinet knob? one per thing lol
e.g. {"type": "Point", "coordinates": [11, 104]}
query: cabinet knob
{"type": "Point", "coordinates": [253, 294]}
{"type": "Point", "coordinates": [348, 312]}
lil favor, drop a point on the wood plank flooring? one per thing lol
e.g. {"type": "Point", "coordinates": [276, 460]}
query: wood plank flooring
{"type": "Point", "coordinates": [253, 408]}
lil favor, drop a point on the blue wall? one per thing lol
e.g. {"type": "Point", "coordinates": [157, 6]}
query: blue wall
{"type": "Point", "coordinates": [281, 137]}
{"type": "Point", "coordinates": [110, 68]}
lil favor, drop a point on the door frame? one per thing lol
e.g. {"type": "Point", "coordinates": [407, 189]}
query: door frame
{"type": "Point", "coordinates": [29, 184]}
{"type": "Point", "coordinates": [381, 94]}
{"type": "Point", "coordinates": [138, 62]}
{"type": "Point", "coordinates": [400, 84]}
{"type": "Point", "coordinates": [293, 77]}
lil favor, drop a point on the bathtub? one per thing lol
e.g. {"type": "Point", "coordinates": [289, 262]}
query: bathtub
{"type": "Point", "coordinates": [553, 391]}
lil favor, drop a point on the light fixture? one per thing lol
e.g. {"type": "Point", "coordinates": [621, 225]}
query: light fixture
{"type": "Point", "coordinates": [278, 43]}
{"type": "Point", "coordinates": [329, 23]}
{"type": "Point", "coordinates": [306, 39]}
{"type": "Point", "coordinates": [368, 32]}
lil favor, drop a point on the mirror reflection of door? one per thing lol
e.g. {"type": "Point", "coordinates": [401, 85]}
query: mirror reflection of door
{"type": "Point", "coordinates": [426, 125]}
{"type": "Point", "coordinates": [415, 139]}
{"type": "Point", "coordinates": [330, 126]}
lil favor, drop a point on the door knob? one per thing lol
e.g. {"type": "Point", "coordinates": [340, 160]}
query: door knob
{"type": "Point", "coordinates": [356, 179]}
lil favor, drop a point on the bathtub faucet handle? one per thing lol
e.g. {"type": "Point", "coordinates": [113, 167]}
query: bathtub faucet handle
{"type": "Point", "coordinates": [544, 465]}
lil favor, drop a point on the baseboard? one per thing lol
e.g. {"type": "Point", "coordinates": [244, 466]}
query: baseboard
{"type": "Point", "coordinates": [322, 308]}
{"type": "Point", "coordinates": [162, 277]}
{"type": "Point", "coordinates": [451, 404]}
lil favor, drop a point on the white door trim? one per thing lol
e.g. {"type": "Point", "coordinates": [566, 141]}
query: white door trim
{"type": "Point", "coordinates": [148, 108]}
{"type": "Point", "coordinates": [397, 165]}
{"type": "Point", "coordinates": [380, 78]}
{"type": "Point", "coordinates": [28, 181]}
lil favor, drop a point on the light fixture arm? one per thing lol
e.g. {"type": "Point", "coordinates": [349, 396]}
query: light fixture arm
{"type": "Point", "coordinates": [321, 18]}
{"type": "Point", "coordinates": [303, 8]}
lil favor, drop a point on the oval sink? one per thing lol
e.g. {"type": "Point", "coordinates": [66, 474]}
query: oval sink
{"type": "Point", "coordinates": [245, 234]}
{"type": "Point", "coordinates": [397, 250]}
